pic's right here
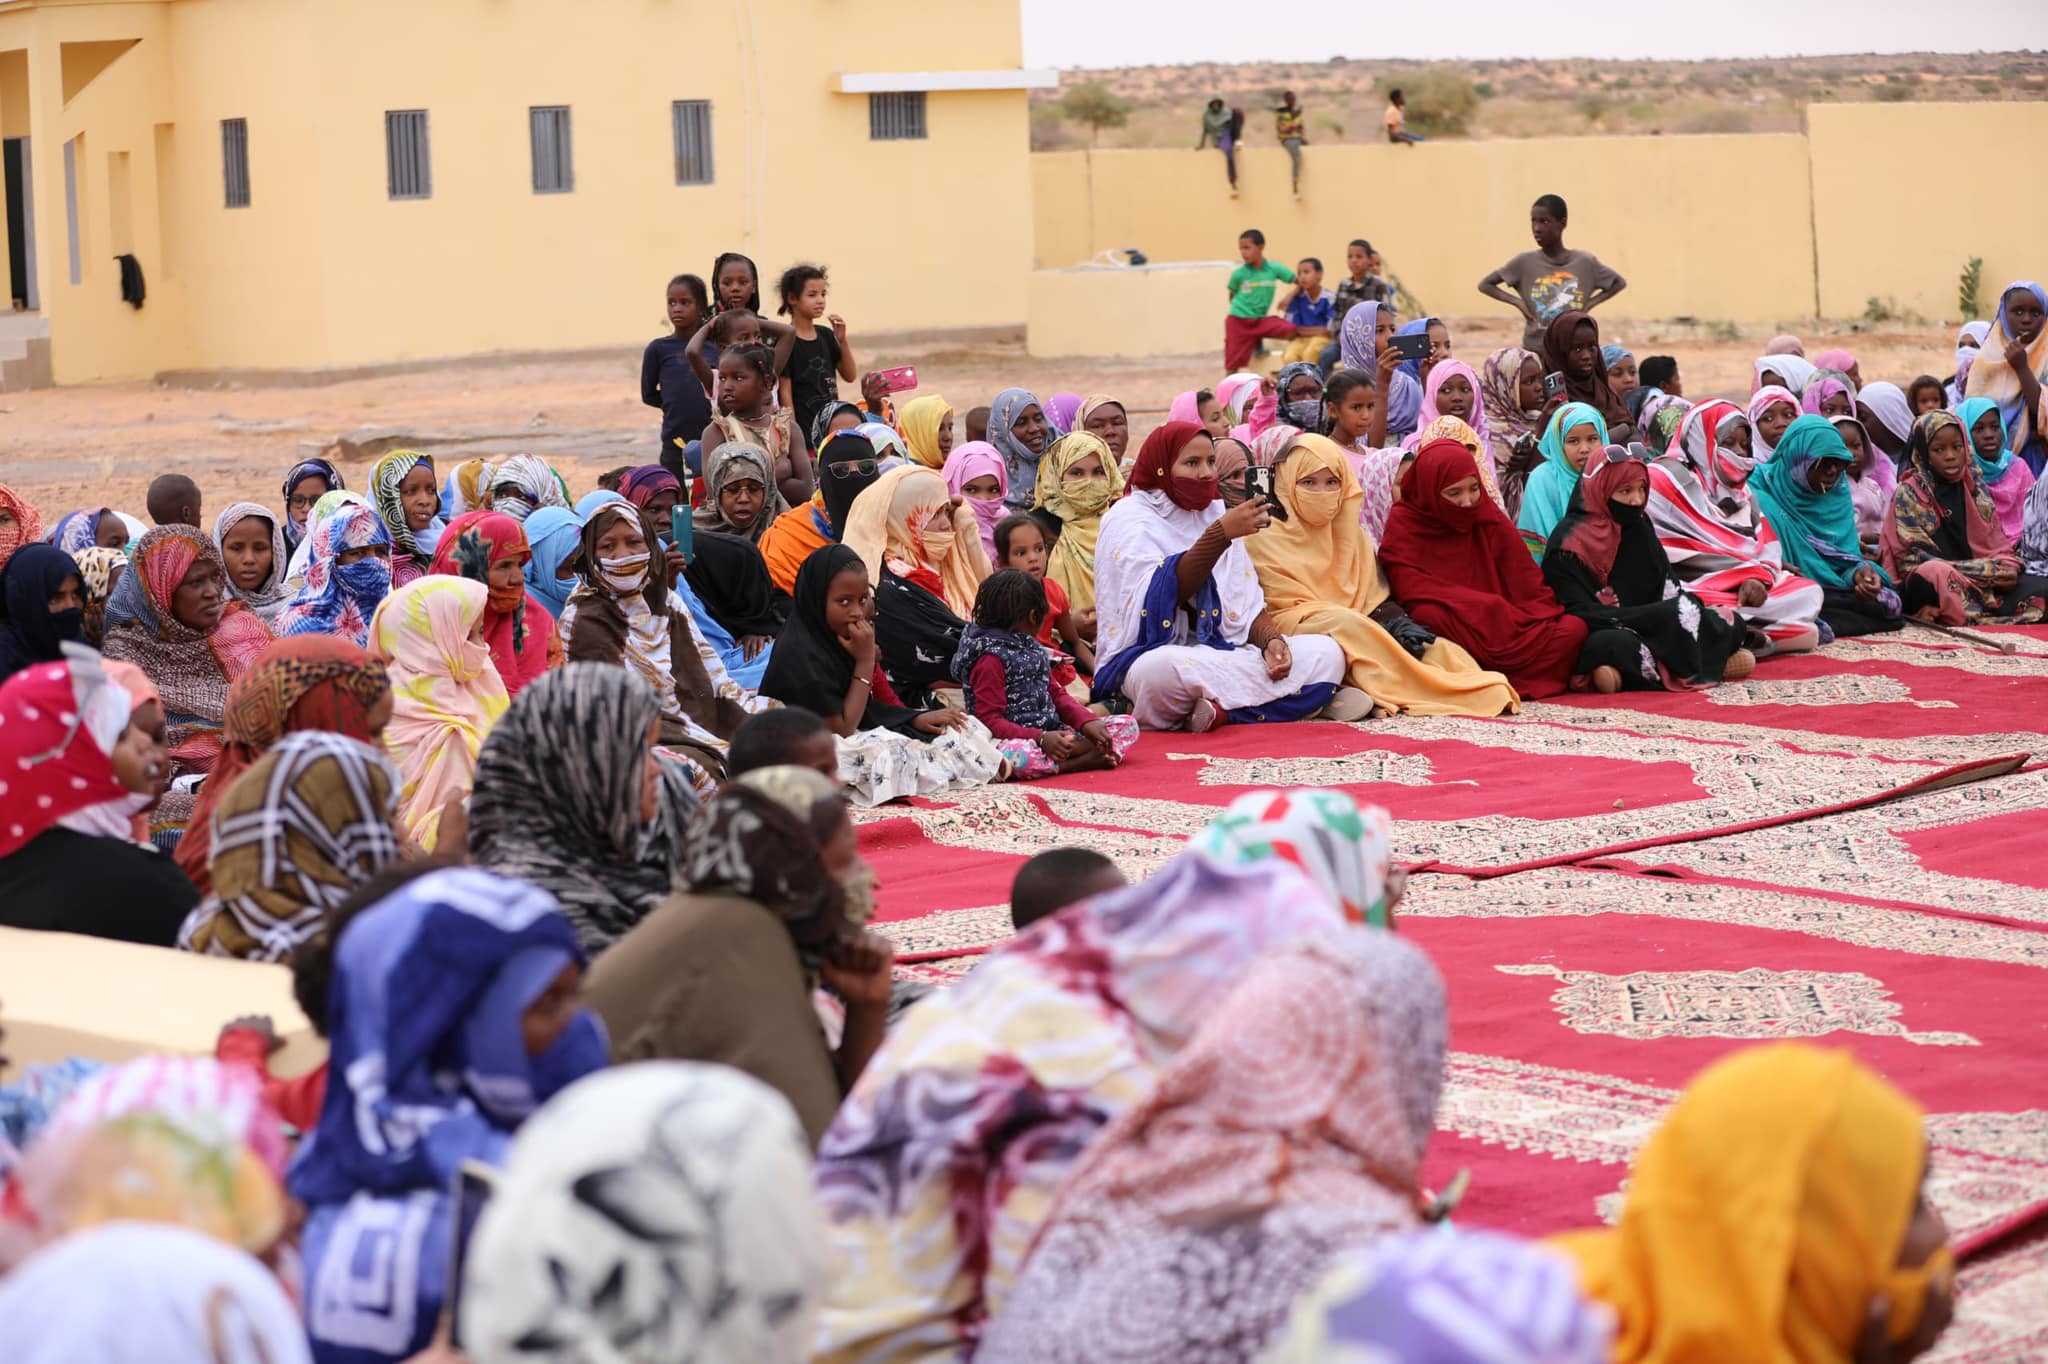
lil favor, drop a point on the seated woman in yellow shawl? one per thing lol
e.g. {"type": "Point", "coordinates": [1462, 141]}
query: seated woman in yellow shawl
{"type": "Point", "coordinates": [1078, 481]}
{"type": "Point", "coordinates": [1777, 1214]}
{"type": "Point", "coordinates": [1320, 576]}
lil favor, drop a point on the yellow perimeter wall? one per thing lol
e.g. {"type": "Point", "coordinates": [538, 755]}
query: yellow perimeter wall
{"type": "Point", "coordinates": [1743, 228]}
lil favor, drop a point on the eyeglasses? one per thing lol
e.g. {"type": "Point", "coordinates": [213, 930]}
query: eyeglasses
{"type": "Point", "coordinates": [850, 468]}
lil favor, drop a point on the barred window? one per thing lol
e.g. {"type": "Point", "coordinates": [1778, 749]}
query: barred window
{"type": "Point", "coordinates": [692, 125]}
{"type": "Point", "coordinates": [554, 172]}
{"type": "Point", "coordinates": [234, 160]}
{"type": "Point", "coordinates": [408, 171]}
{"type": "Point", "coordinates": [896, 117]}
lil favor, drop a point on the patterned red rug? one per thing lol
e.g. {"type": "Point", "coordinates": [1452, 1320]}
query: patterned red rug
{"type": "Point", "coordinates": [1847, 847]}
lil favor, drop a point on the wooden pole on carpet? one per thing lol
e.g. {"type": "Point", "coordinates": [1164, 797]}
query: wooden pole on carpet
{"type": "Point", "coordinates": [2004, 646]}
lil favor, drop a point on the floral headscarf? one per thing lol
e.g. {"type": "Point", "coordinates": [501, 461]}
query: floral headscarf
{"type": "Point", "coordinates": [1079, 505]}
{"type": "Point", "coordinates": [1500, 395]}
{"type": "Point", "coordinates": [763, 843]}
{"type": "Point", "coordinates": [337, 598]}
{"type": "Point", "coordinates": [446, 693]}
{"type": "Point", "coordinates": [886, 527]}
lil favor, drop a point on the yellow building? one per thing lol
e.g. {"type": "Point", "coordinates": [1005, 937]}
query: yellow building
{"type": "Point", "coordinates": [304, 183]}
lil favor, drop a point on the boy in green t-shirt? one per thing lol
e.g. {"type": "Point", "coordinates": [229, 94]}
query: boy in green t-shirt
{"type": "Point", "coordinates": [1251, 299]}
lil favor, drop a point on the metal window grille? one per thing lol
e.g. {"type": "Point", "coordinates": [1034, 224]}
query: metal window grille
{"type": "Point", "coordinates": [553, 170]}
{"type": "Point", "coordinates": [408, 171]}
{"type": "Point", "coordinates": [897, 117]}
{"type": "Point", "coordinates": [234, 160]}
{"type": "Point", "coordinates": [692, 121]}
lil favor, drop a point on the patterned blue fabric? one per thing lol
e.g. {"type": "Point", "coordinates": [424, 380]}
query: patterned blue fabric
{"type": "Point", "coordinates": [427, 1068]}
{"type": "Point", "coordinates": [1027, 674]}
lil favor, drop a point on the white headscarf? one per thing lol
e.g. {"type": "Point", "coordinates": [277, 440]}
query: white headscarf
{"type": "Point", "coordinates": [678, 1192]}
{"type": "Point", "coordinates": [1794, 370]}
{"type": "Point", "coordinates": [147, 1293]}
{"type": "Point", "coordinates": [1887, 403]}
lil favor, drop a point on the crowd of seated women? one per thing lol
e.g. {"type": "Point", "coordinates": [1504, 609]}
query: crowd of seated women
{"type": "Point", "coordinates": [524, 787]}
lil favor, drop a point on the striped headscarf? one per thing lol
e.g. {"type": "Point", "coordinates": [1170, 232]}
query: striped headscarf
{"type": "Point", "coordinates": [307, 682]}
{"type": "Point", "coordinates": [556, 801]}
{"type": "Point", "coordinates": [445, 691]}
{"type": "Point", "coordinates": [523, 485]}
{"type": "Point", "coordinates": [733, 462]}
{"type": "Point", "coordinates": [306, 824]}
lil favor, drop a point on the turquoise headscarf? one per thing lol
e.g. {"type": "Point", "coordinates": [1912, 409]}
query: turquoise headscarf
{"type": "Point", "coordinates": [1548, 494]}
{"type": "Point", "coordinates": [1971, 411]}
{"type": "Point", "coordinates": [1817, 531]}
{"type": "Point", "coordinates": [553, 534]}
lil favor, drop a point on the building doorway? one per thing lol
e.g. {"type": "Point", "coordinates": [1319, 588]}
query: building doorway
{"type": "Point", "coordinates": [21, 224]}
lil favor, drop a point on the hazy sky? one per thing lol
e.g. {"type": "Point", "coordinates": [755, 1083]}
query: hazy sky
{"type": "Point", "coordinates": [1069, 33]}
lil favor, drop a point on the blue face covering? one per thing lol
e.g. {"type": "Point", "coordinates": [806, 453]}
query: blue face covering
{"type": "Point", "coordinates": [582, 1048]}
{"type": "Point", "coordinates": [553, 534]}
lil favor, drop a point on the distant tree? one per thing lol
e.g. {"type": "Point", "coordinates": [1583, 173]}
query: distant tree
{"type": "Point", "coordinates": [1440, 103]}
{"type": "Point", "coordinates": [1097, 106]}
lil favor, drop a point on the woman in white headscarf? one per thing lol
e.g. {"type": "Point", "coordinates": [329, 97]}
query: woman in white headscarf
{"type": "Point", "coordinates": [656, 1212]}
{"type": "Point", "coordinates": [148, 1293]}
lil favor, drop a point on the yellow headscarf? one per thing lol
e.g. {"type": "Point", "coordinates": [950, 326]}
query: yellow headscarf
{"type": "Point", "coordinates": [921, 420]}
{"type": "Point", "coordinates": [1318, 555]}
{"type": "Point", "coordinates": [445, 691]}
{"type": "Point", "coordinates": [1764, 1214]}
{"type": "Point", "coordinates": [1072, 563]}
{"type": "Point", "coordinates": [886, 523]}
{"type": "Point", "coordinates": [1321, 577]}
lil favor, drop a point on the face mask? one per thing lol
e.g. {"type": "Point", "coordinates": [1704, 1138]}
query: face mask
{"type": "Point", "coordinates": [512, 505]}
{"type": "Point", "coordinates": [68, 623]}
{"type": "Point", "coordinates": [1318, 508]}
{"type": "Point", "coordinates": [1624, 512]}
{"type": "Point", "coordinates": [1190, 494]}
{"type": "Point", "coordinates": [937, 548]}
{"type": "Point", "coordinates": [858, 891]}
{"type": "Point", "coordinates": [988, 510]}
{"type": "Point", "coordinates": [582, 1049]}
{"type": "Point", "coordinates": [625, 575]}
{"type": "Point", "coordinates": [1084, 496]}
{"type": "Point", "coordinates": [1305, 414]}
{"type": "Point", "coordinates": [365, 578]}
{"type": "Point", "coordinates": [507, 600]}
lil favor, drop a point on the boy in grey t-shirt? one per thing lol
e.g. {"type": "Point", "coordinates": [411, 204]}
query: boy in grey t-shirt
{"type": "Point", "coordinates": [1552, 279]}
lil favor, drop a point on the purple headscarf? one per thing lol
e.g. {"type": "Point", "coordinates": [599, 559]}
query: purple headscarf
{"type": "Point", "coordinates": [1060, 410]}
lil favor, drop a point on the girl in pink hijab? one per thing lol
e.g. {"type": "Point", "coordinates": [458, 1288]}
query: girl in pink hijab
{"type": "Point", "coordinates": [977, 473]}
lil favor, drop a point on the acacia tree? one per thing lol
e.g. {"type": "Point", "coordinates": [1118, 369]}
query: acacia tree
{"type": "Point", "coordinates": [1096, 105]}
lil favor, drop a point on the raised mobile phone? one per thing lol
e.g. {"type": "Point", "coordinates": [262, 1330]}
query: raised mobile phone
{"type": "Point", "coordinates": [468, 1192]}
{"type": "Point", "coordinates": [1258, 482]}
{"type": "Point", "coordinates": [898, 380]}
{"type": "Point", "coordinates": [679, 528]}
{"type": "Point", "coordinates": [1410, 347]}
{"type": "Point", "coordinates": [1553, 384]}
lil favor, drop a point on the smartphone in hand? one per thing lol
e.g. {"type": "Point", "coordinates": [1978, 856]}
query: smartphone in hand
{"type": "Point", "coordinates": [679, 528]}
{"type": "Point", "coordinates": [1553, 384]}
{"type": "Point", "coordinates": [1410, 347]}
{"type": "Point", "coordinates": [468, 1194]}
{"type": "Point", "coordinates": [899, 380]}
{"type": "Point", "coordinates": [1258, 483]}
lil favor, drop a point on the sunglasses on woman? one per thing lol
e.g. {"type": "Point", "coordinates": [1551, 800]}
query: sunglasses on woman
{"type": "Point", "coordinates": [1622, 454]}
{"type": "Point", "coordinates": [849, 468]}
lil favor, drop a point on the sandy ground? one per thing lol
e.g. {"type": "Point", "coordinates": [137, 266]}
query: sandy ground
{"type": "Point", "coordinates": [101, 445]}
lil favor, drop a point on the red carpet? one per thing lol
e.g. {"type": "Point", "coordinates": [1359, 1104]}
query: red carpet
{"type": "Point", "coordinates": [1848, 847]}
